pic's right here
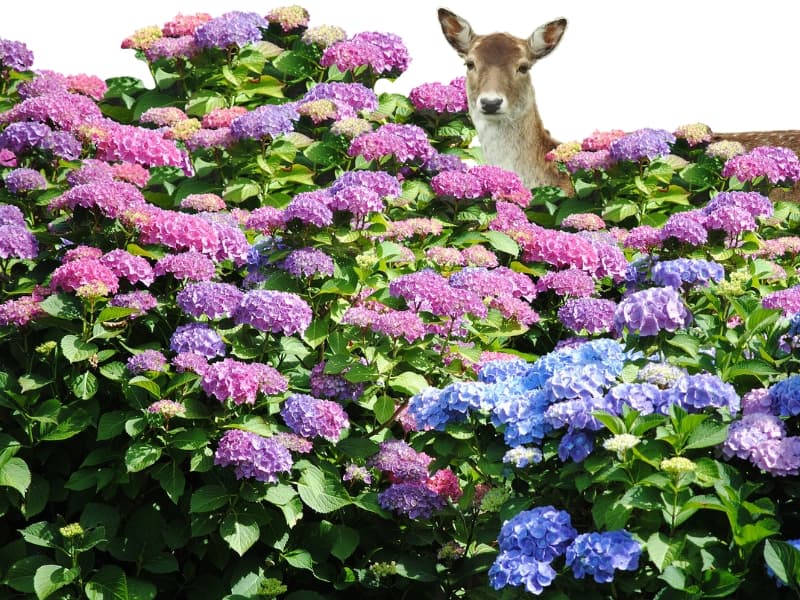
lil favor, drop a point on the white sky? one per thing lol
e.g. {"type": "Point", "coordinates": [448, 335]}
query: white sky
{"type": "Point", "coordinates": [621, 64]}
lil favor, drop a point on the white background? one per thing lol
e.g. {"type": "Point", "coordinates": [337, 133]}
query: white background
{"type": "Point", "coordinates": [621, 64]}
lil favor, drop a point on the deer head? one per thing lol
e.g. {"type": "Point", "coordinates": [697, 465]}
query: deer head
{"type": "Point", "coordinates": [498, 65]}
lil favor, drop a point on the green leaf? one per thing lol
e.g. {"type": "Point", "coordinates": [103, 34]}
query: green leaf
{"type": "Point", "coordinates": [299, 559]}
{"type": "Point", "coordinates": [502, 242]}
{"type": "Point", "coordinates": [755, 368]}
{"type": "Point", "coordinates": [162, 562]}
{"type": "Point", "coordinates": [114, 313]}
{"type": "Point", "coordinates": [240, 531]}
{"type": "Point", "coordinates": [41, 533]}
{"type": "Point", "coordinates": [321, 491]}
{"type": "Point", "coordinates": [171, 479]}
{"type": "Point", "coordinates": [784, 560]}
{"type": "Point", "coordinates": [663, 550]}
{"type": "Point", "coordinates": [112, 424]}
{"type": "Point", "coordinates": [707, 434]}
{"type": "Point", "coordinates": [109, 583]}
{"type": "Point", "coordinates": [36, 496]}
{"type": "Point", "coordinates": [345, 541]}
{"type": "Point", "coordinates": [149, 385]}
{"type": "Point", "coordinates": [208, 498]}
{"type": "Point", "coordinates": [32, 381]}
{"type": "Point", "coordinates": [140, 590]}
{"type": "Point", "coordinates": [384, 408]}
{"type": "Point", "coordinates": [20, 574]}
{"type": "Point", "coordinates": [141, 455]}
{"type": "Point", "coordinates": [72, 421]}
{"type": "Point", "coordinates": [76, 350]}
{"type": "Point", "coordinates": [63, 306]}
{"type": "Point", "coordinates": [189, 439]}
{"type": "Point", "coordinates": [85, 385]}
{"type": "Point", "coordinates": [408, 383]}
{"type": "Point", "coordinates": [15, 474]}
{"type": "Point", "coordinates": [49, 578]}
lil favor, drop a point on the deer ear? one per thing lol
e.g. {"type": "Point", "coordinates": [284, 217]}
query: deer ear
{"type": "Point", "coordinates": [546, 38]}
{"type": "Point", "coordinates": [457, 31]}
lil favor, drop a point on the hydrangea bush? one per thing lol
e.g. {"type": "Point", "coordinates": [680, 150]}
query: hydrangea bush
{"type": "Point", "coordinates": [266, 333]}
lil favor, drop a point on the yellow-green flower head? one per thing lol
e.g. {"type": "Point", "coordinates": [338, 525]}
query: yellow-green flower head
{"type": "Point", "coordinates": [494, 499]}
{"type": "Point", "coordinates": [564, 151]}
{"type": "Point", "coordinates": [677, 465]}
{"type": "Point", "coordinates": [46, 347]}
{"type": "Point", "coordinates": [72, 530]}
{"type": "Point", "coordinates": [351, 127]}
{"type": "Point", "coordinates": [383, 569]}
{"type": "Point", "coordinates": [324, 35]}
{"type": "Point", "coordinates": [621, 443]}
{"type": "Point", "coordinates": [143, 38]}
{"type": "Point", "coordinates": [734, 285]}
{"type": "Point", "coordinates": [694, 133]}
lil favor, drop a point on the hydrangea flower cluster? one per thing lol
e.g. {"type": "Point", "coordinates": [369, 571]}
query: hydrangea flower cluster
{"type": "Point", "coordinates": [642, 143]}
{"type": "Point", "coordinates": [482, 181]}
{"type": "Point", "coordinates": [191, 266]}
{"type": "Point", "coordinates": [212, 299]}
{"type": "Point", "coordinates": [24, 180]}
{"type": "Point", "coordinates": [268, 121]}
{"type": "Point", "coordinates": [149, 360]}
{"type": "Point", "coordinates": [197, 338]}
{"type": "Point", "coordinates": [687, 272]}
{"type": "Point", "coordinates": [234, 28]}
{"type": "Point", "coordinates": [15, 55]}
{"type": "Point", "coordinates": [311, 417]}
{"type": "Point", "coordinates": [440, 97]}
{"type": "Point", "coordinates": [253, 456]}
{"type": "Point", "coordinates": [334, 387]}
{"type": "Point", "coordinates": [241, 382]}
{"type": "Point", "coordinates": [86, 277]}
{"type": "Point", "coordinates": [274, 311]}
{"type": "Point", "coordinates": [404, 142]}
{"type": "Point", "coordinates": [599, 555]}
{"type": "Point", "coordinates": [649, 311]}
{"type": "Point", "coordinates": [787, 300]}
{"type": "Point", "coordinates": [594, 315]}
{"type": "Point", "coordinates": [381, 52]}
{"type": "Point", "coordinates": [774, 163]}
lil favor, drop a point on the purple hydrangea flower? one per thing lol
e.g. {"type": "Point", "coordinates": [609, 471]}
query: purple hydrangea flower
{"type": "Point", "coordinates": [600, 554]}
{"type": "Point", "coordinates": [308, 262]}
{"type": "Point", "coordinates": [594, 315]}
{"type": "Point", "coordinates": [214, 300]}
{"type": "Point", "coordinates": [197, 338]}
{"type": "Point", "coordinates": [140, 301]}
{"type": "Point", "coordinates": [234, 28]}
{"type": "Point", "coordinates": [439, 97]}
{"type": "Point", "coordinates": [335, 387]}
{"type": "Point", "coordinates": [394, 51]}
{"type": "Point", "coordinates": [354, 472]}
{"type": "Point", "coordinates": [694, 393]}
{"type": "Point", "coordinates": [649, 311]}
{"type": "Point", "coordinates": [787, 300]}
{"type": "Point", "coordinates": [569, 282]}
{"type": "Point", "coordinates": [274, 311]}
{"type": "Point", "coordinates": [754, 203]}
{"type": "Point", "coordinates": [643, 143]}
{"type": "Point", "coordinates": [253, 456]}
{"type": "Point", "coordinates": [778, 457]}
{"type": "Point", "coordinates": [21, 137]}
{"type": "Point", "coordinates": [358, 200]}
{"type": "Point", "coordinates": [401, 461]}
{"type": "Point", "coordinates": [270, 120]}
{"type": "Point", "coordinates": [311, 208]}
{"type": "Point", "coordinates": [382, 183]}
{"type": "Point", "coordinates": [732, 220]}
{"type": "Point", "coordinates": [310, 417]}
{"type": "Point", "coordinates": [149, 360]}
{"type": "Point", "coordinates": [15, 55]}
{"type": "Point", "coordinates": [349, 55]}
{"type": "Point", "coordinates": [775, 163]}
{"type": "Point", "coordinates": [22, 181]}
{"type": "Point", "coordinates": [687, 227]}
{"type": "Point", "coordinates": [600, 160]}
{"type": "Point", "coordinates": [412, 499]}
{"type": "Point", "coordinates": [17, 242]}
{"type": "Point", "coordinates": [191, 265]}
{"type": "Point", "coordinates": [354, 95]}
{"type": "Point", "coordinates": [62, 144]}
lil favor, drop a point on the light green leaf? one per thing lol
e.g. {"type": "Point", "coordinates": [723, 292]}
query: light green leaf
{"type": "Point", "coordinates": [208, 498]}
{"type": "Point", "coordinates": [20, 574]}
{"type": "Point", "coordinates": [41, 533]}
{"type": "Point", "coordinates": [299, 559]}
{"type": "Point", "coordinates": [663, 550]}
{"type": "Point", "coordinates": [109, 583]}
{"type": "Point", "coordinates": [321, 491]}
{"type": "Point", "coordinates": [502, 242]}
{"type": "Point", "coordinates": [84, 385]}
{"type": "Point", "coordinates": [49, 578]}
{"type": "Point", "coordinates": [784, 560]}
{"type": "Point", "coordinates": [63, 306]}
{"type": "Point", "coordinates": [141, 455]}
{"type": "Point", "coordinates": [239, 531]}
{"type": "Point", "coordinates": [76, 350]}
{"type": "Point", "coordinates": [408, 383]}
{"type": "Point", "coordinates": [15, 474]}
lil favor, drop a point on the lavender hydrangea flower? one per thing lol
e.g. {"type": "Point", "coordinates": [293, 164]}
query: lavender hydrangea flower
{"type": "Point", "coordinates": [780, 458]}
{"type": "Point", "coordinates": [253, 456]}
{"type": "Point", "coordinates": [787, 300]}
{"type": "Point", "coordinates": [311, 208]}
{"type": "Point", "coordinates": [15, 55]}
{"type": "Point", "coordinates": [600, 554]}
{"type": "Point", "coordinates": [140, 301]}
{"type": "Point", "coordinates": [594, 315]}
{"type": "Point", "coordinates": [754, 203]}
{"type": "Point", "coordinates": [749, 432]}
{"type": "Point", "coordinates": [643, 143]}
{"type": "Point", "coordinates": [234, 28]}
{"type": "Point", "coordinates": [382, 183]}
{"type": "Point", "coordinates": [149, 360]}
{"type": "Point", "coordinates": [785, 396]}
{"type": "Point", "coordinates": [22, 181]}
{"type": "Point", "coordinates": [687, 227]}
{"type": "Point", "coordinates": [274, 311]}
{"type": "Point", "coordinates": [334, 387]}
{"type": "Point", "coordinates": [649, 311]}
{"type": "Point", "coordinates": [312, 417]}
{"type": "Point", "coordinates": [17, 242]}
{"type": "Point", "coordinates": [394, 51]}
{"type": "Point", "coordinates": [694, 393]}
{"type": "Point", "coordinates": [270, 120]}
{"type": "Point", "coordinates": [214, 300]}
{"type": "Point", "coordinates": [356, 96]}
{"type": "Point", "coordinates": [645, 398]}
{"type": "Point", "coordinates": [401, 461]}
{"type": "Point", "coordinates": [21, 137]}
{"type": "Point", "coordinates": [693, 272]}
{"type": "Point", "coordinates": [412, 499]}
{"type": "Point", "coordinates": [197, 338]}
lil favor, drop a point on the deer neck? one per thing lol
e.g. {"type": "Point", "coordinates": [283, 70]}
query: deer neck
{"type": "Point", "coordinates": [518, 143]}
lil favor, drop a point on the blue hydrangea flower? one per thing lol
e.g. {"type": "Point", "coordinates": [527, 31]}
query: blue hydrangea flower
{"type": "Point", "coordinates": [600, 554]}
{"type": "Point", "coordinates": [522, 417]}
{"type": "Point", "coordinates": [690, 271]}
{"type": "Point", "coordinates": [645, 398]}
{"type": "Point", "coordinates": [643, 143]}
{"type": "Point", "coordinates": [693, 393]}
{"type": "Point", "coordinates": [785, 396]}
{"type": "Point", "coordinates": [576, 445]}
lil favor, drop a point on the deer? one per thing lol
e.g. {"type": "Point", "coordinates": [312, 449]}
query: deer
{"type": "Point", "coordinates": [501, 98]}
{"type": "Point", "coordinates": [502, 103]}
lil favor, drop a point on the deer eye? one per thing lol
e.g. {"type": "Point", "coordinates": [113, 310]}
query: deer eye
{"type": "Point", "coordinates": [523, 69]}
{"type": "Point", "coordinates": [470, 64]}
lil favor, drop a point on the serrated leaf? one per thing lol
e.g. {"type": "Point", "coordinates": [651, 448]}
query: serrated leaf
{"type": "Point", "coordinates": [141, 455]}
{"type": "Point", "coordinates": [663, 550]}
{"type": "Point", "coordinates": [171, 479]}
{"type": "Point", "coordinates": [109, 583]}
{"type": "Point", "coordinates": [114, 313]}
{"type": "Point", "coordinates": [160, 563]}
{"type": "Point", "coordinates": [321, 491]}
{"type": "Point", "coordinates": [85, 385]}
{"type": "Point", "coordinates": [72, 421]}
{"type": "Point", "coordinates": [20, 574]}
{"type": "Point", "coordinates": [41, 533]}
{"type": "Point", "coordinates": [32, 381]}
{"type": "Point", "coordinates": [75, 349]}
{"type": "Point", "coordinates": [149, 385]}
{"type": "Point", "coordinates": [112, 424]}
{"type": "Point", "coordinates": [63, 306]}
{"type": "Point", "coordinates": [408, 383]}
{"type": "Point", "coordinates": [299, 559]}
{"type": "Point", "coordinates": [15, 474]}
{"type": "Point", "coordinates": [502, 242]}
{"type": "Point", "coordinates": [784, 560]}
{"type": "Point", "coordinates": [240, 531]}
{"type": "Point", "coordinates": [50, 578]}
{"type": "Point", "coordinates": [207, 498]}
{"type": "Point", "coordinates": [707, 434]}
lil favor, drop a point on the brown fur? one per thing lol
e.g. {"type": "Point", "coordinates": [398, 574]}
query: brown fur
{"type": "Point", "coordinates": [498, 63]}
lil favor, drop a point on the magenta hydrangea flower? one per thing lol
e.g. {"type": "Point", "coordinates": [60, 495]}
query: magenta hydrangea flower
{"type": "Point", "coordinates": [253, 456]}
{"type": "Point", "coordinates": [86, 277]}
{"type": "Point", "coordinates": [182, 25]}
{"type": "Point", "coordinates": [569, 282]}
{"type": "Point", "coordinates": [399, 323]}
{"type": "Point", "coordinates": [149, 360]}
{"type": "Point", "coordinates": [176, 230]}
{"type": "Point", "coordinates": [311, 417]}
{"type": "Point", "coordinates": [191, 265]}
{"type": "Point", "coordinates": [188, 362]}
{"type": "Point", "coordinates": [514, 308]}
{"type": "Point", "coordinates": [110, 198]}
{"type": "Point", "coordinates": [146, 147]}
{"type": "Point", "coordinates": [457, 184]}
{"type": "Point", "coordinates": [125, 265]}
{"type": "Point", "coordinates": [18, 312]}
{"type": "Point", "coordinates": [600, 140]}
{"type": "Point", "coordinates": [64, 110]}
{"type": "Point", "coordinates": [240, 382]}
{"type": "Point", "coordinates": [651, 310]}
{"type": "Point", "coordinates": [559, 248]}
{"type": "Point", "coordinates": [265, 219]}
{"type": "Point", "coordinates": [687, 227]}
{"type": "Point", "coordinates": [235, 28]}
{"type": "Point", "coordinates": [7, 157]}
{"type": "Point", "coordinates": [787, 300]}
{"type": "Point", "coordinates": [439, 97]}
{"type": "Point", "coordinates": [776, 164]}
{"type": "Point", "coordinates": [643, 238]}
{"type": "Point", "coordinates": [222, 117]}
{"type": "Point", "coordinates": [349, 55]}
{"type": "Point", "coordinates": [274, 311]}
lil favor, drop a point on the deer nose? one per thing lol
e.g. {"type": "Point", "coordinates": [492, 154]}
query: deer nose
{"type": "Point", "coordinates": [491, 105]}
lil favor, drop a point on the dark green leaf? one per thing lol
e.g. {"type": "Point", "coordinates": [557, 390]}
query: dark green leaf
{"type": "Point", "coordinates": [208, 498]}
{"type": "Point", "coordinates": [141, 455]}
{"type": "Point", "coordinates": [109, 583]}
{"type": "Point", "coordinates": [320, 490]}
{"type": "Point", "coordinates": [76, 350]}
